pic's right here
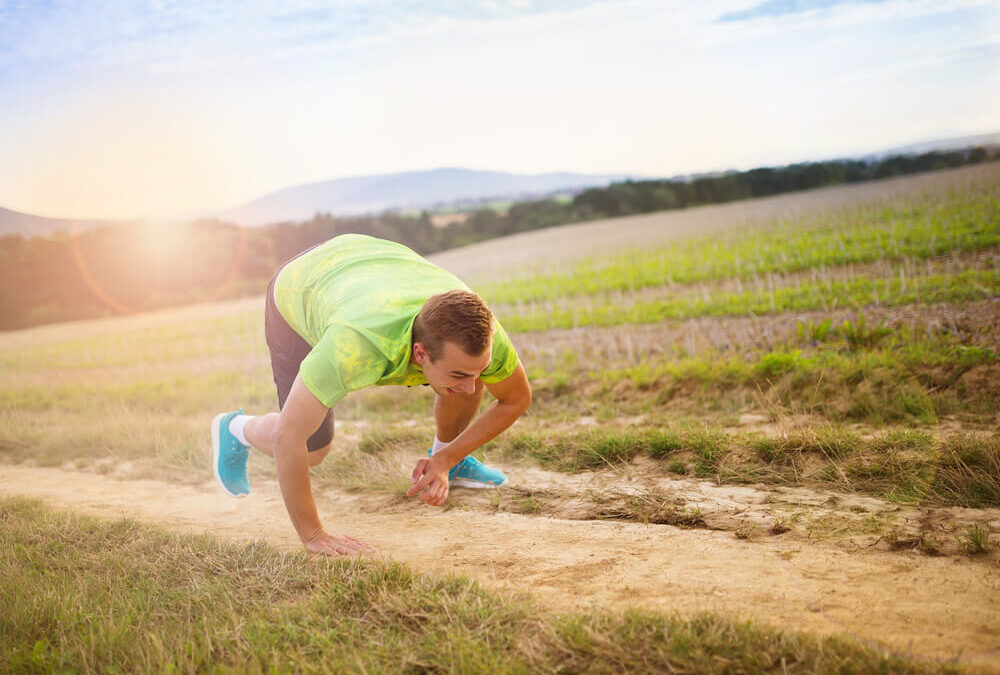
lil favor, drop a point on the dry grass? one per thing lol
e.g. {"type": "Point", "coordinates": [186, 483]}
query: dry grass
{"type": "Point", "coordinates": [903, 465]}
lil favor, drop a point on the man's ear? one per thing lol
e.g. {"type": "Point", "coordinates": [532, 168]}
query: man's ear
{"type": "Point", "coordinates": [419, 353]}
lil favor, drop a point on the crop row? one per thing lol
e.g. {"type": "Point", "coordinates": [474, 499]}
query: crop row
{"type": "Point", "coordinates": [889, 289]}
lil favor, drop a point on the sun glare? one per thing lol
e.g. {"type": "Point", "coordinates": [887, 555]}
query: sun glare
{"type": "Point", "coordinates": [159, 242]}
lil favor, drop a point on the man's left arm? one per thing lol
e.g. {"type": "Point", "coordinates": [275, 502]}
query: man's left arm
{"type": "Point", "coordinates": [513, 396]}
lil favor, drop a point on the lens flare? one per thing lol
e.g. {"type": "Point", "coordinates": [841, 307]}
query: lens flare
{"type": "Point", "coordinates": [160, 244]}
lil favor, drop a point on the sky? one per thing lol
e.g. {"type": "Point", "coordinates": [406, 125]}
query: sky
{"type": "Point", "coordinates": [127, 109]}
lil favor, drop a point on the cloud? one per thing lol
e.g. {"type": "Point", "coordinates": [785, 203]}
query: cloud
{"type": "Point", "coordinates": [775, 8]}
{"type": "Point", "coordinates": [837, 12]}
{"type": "Point", "coordinates": [116, 32]}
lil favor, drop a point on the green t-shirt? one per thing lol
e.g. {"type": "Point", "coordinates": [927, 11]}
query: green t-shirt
{"type": "Point", "coordinates": [354, 300]}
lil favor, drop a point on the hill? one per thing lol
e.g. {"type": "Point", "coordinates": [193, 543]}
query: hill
{"type": "Point", "coordinates": [15, 222]}
{"type": "Point", "coordinates": [938, 145]}
{"type": "Point", "coordinates": [408, 190]}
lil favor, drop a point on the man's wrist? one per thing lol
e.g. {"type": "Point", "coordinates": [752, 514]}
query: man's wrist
{"type": "Point", "coordinates": [446, 459]}
{"type": "Point", "coordinates": [310, 534]}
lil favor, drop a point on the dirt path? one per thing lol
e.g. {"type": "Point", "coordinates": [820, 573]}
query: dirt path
{"type": "Point", "coordinates": [928, 607]}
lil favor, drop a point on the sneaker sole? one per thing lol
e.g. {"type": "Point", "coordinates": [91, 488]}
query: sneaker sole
{"type": "Point", "coordinates": [475, 484]}
{"type": "Point", "coordinates": [216, 425]}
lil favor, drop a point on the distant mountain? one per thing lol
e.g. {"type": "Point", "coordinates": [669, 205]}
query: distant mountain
{"type": "Point", "coordinates": [15, 222]}
{"type": "Point", "coordinates": [404, 191]}
{"type": "Point", "coordinates": [960, 143]}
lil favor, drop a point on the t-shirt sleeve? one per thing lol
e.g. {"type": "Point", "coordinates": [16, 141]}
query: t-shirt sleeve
{"type": "Point", "coordinates": [504, 361]}
{"type": "Point", "coordinates": [341, 362]}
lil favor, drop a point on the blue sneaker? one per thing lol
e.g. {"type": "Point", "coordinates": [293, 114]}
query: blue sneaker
{"type": "Point", "coordinates": [229, 457]}
{"type": "Point", "coordinates": [472, 473]}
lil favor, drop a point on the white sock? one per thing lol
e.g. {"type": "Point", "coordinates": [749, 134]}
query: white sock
{"type": "Point", "coordinates": [438, 446]}
{"type": "Point", "coordinates": [236, 428]}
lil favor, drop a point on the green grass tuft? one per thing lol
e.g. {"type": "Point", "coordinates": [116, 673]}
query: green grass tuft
{"type": "Point", "coordinates": [974, 539]}
{"type": "Point", "coordinates": [968, 471]}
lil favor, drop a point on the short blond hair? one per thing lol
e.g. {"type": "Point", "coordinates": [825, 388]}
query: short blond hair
{"type": "Point", "coordinates": [460, 317]}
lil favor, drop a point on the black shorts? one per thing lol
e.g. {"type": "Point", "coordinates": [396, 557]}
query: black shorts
{"type": "Point", "coordinates": [288, 350]}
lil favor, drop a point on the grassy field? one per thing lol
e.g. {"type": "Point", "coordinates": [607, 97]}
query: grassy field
{"type": "Point", "coordinates": [558, 249]}
{"type": "Point", "coordinates": [850, 351]}
{"type": "Point", "coordinates": [960, 222]}
{"type": "Point", "coordinates": [942, 251]}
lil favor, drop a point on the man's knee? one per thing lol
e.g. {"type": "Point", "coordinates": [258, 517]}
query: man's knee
{"type": "Point", "coordinates": [317, 456]}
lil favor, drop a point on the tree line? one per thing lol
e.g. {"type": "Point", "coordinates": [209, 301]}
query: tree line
{"type": "Point", "coordinates": [122, 269]}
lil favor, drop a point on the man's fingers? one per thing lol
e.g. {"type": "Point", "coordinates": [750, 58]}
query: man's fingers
{"type": "Point", "coordinates": [420, 485]}
{"type": "Point", "coordinates": [359, 545]}
{"type": "Point", "coordinates": [351, 548]}
{"type": "Point", "coordinates": [431, 487]}
{"type": "Point", "coordinates": [419, 469]}
{"type": "Point", "coordinates": [428, 495]}
{"type": "Point", "coordinates": [436, 495]}
{"type": "Point", "coordinates": [356, 544]}
{"type": "Point", "coordinates": [333, 545]}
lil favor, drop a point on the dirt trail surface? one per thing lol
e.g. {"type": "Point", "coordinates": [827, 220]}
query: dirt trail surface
{"type": "Point", "coordinates": [921, 606]}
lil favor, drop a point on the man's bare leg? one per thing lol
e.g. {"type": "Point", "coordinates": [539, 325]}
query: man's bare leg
{"type": "Point", "coordinates": [455, 412]}
{"type": "Point", "coordinates": [258, 431]}
{"type": "Point", "coordinates": [453, 415]}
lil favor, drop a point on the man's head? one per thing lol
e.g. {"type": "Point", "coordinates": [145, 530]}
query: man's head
{"type": "Point", "coordinates": [452, 340]}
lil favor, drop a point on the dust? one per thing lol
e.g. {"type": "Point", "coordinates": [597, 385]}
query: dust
{"type": "Point", "coordinates": [934, 607]}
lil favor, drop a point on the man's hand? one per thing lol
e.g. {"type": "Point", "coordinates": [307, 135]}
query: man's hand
{"type": "Point", "coordinates": [335, 544]}
{"type": "Point", "coordinates": [430, 481]}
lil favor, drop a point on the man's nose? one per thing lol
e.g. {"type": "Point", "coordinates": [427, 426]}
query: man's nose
{"type": "Point", "coordinates": [467, 386]}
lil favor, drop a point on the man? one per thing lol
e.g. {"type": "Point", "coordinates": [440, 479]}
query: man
{"type": "Point", "coordinates": [358, 311]}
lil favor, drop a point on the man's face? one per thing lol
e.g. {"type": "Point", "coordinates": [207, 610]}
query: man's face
{"type": "Point", "coordinates": [455, 372]}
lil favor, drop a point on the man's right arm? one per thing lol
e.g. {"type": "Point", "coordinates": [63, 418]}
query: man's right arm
{"type": "Point", "coordinates": [300, 417]}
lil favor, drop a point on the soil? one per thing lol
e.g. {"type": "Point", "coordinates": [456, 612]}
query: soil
{"type": "Point", "coordinates": [826, 575]}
